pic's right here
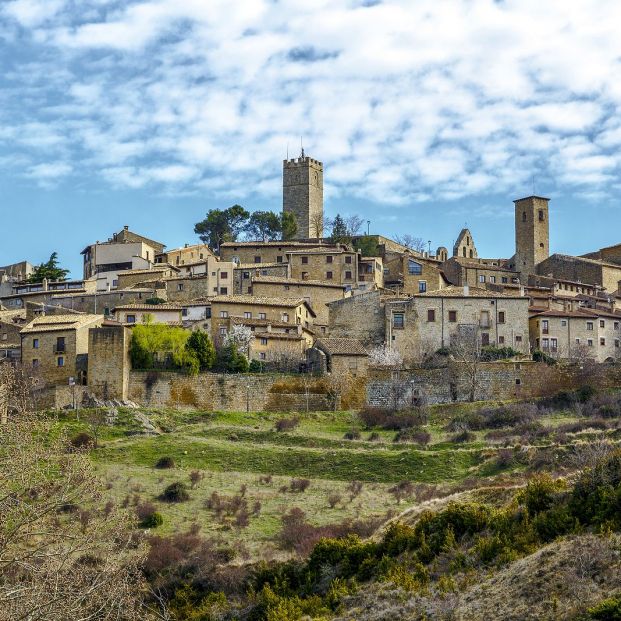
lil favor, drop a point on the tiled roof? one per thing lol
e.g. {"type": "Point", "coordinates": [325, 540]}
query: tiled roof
{"type": "Point", "coordinates": [161, 267]}
{"type": "Point", "coordinates": [148, 307]}
{"type": "Point", "coordinates": [259, 244]}
{"type": "Point", "coordinates": [458, 292]}
{"type": "Point", "coordinates": [260, 301]}
{"type": "Point", "coordinates": [342, 347]}
{"type": "Point", "coordinates": [52, 323]}
{"type": "Point", "coordinates": [257, 266]}
{"type": "Point", "coordinates": [295, 281]}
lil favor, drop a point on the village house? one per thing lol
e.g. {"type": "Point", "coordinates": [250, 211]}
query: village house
{"type": "Point", "coordinates": [56, 346]}
{"type": "Point", "coordinates": [43, 292]}
{"type": "Point", "coordinates": [316, 292]}
{"type": "Point", "coordinates": [253, 252]}
{"type": "Point", "coordinates": [245, 272]}
{"type": "Point", "coordinates": [409, 274]}
{"type": "Point", "coordinates": [420, 325]}
{"type": "Point", "coordinates": [581, 270]}
{"type": "Point", "coordinates": [337, 264]}
{"type": "Point", "coordinates": [130, 314]}
{"type": "Point", "coordinates": [125, 250]}
{"type": "Point", "coordinates": [341, 357]}
{"type": "Point", "coordinates": [281, 327]}
{"type": "Point", "coordinates": [478, 272]}
{"type": "Point", "coordinates": [370, 273]}
{"type": "Point", "coordinates": [576, 333]}
{"type": "Point", "coordinates": [187, 255]}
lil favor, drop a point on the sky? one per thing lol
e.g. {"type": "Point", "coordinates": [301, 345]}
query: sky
{"type": "Point", "coordinates": [427, 115]}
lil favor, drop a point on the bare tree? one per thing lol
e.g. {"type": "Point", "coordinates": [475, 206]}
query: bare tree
{"type": "Point", "coordinates": [411, 243]}
{"type": "Point", "coordinates": [353, 224]}
{"type": "Point", "coordinates": [384, 357]}
{"type": "Point", "coordinates": [466, 356]}
{"type": "Point", "coordinates": [317, 223]}
{"type": "Point", "coordinates": [61, 555]}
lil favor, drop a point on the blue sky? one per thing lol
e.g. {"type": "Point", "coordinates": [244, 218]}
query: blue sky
{"type": "Point", "coordinates": [426, 114]}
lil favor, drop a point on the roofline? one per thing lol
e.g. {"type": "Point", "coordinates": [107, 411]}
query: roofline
{"type": "Point", "coordinates": [543, 198]}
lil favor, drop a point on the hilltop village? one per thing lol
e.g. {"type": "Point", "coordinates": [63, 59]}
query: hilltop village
{"type": "Point", "coordinates": [337, 305]}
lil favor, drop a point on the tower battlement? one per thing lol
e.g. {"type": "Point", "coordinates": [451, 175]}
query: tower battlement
{"type": "Point", "coordinates": [302, 194]}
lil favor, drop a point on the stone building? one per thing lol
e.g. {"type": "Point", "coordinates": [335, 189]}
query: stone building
{"type": "Point", "coordinates": [335, 264]}
{"type": "Point", "coordinates": [464, 246]}
{"type": "Point", "coordinates": [302, 195]}
{"type": "Point", "coordinates": [104, 301]}
{"type": "Point", "coordinates": [248, 252]}
{"type": "Point", "coordinates": [131, 314]}
{"type": "Point", "coordinates": [186, 255]}
{"type": "Point", "coordinates": [609, 254]}
{"type": "Point", "coordinates": [478, 272]}
{"type": "Point", "coordinates": [43, 292]}
{"type": "Point", "coordinates": [56, 346]}
{"type": "Point", "coordinates": [410, 274]}
{"type": "Point", "coordinates": [125, 250]}
{"type": "Point", "coordinates": [532, 234]}
{"type": "Point", "coordinates": [582, 270]}
{"type": "Point", "coordinates": [418, 326]}
{"type": "Point", "coordinates": [108, 361]}
{"type": "Point", "coordinates": [370, 273]}
{"type": "Point", "coordinates": [576, 333]}
{"type": "Point", "coordinates": [245, 272]}
{"type": "Point", "coordinates": [359, 317]}
{"type": "Point", "coordinates": [317, 293]}
{"type": "Point", "coordinates": [339, 356]}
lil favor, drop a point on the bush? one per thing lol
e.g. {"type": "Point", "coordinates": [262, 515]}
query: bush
{"type": "Point", "coordinates": [148, 516]}
{"type": "Point", "coordinates": [417, 436]}
{"type": "Point", "coordinates": [333, 500]}
{"type": "Point", "coordinates": [585, 393]}
{"type": "Point", "coordinates": [352, 434]}
{"type": "Point", "coordinates": [608, 610]}
{"type": "Point", "coordinates": [386, 419]}
{"type": "Point", "coordinates": [200, 346]}
{"type": "Point", "coordinates": [374, 437]}
{"type": "Point", "coordinates": [402, 490]}
{"type": "Point", "coordinates": [463, 436]}
{"type": "Point", "coordinates": [164, 463]}
{"type": "Point", "coordinates": [490, 353]}
{"type": "Point", "coordinates": [175, 492]}
{"type": "Point", "coordinates": [286, 424]}
{"type": "Point", "coordinates": [83, 440]}
{"type": "Point", "coordinates": [299, 485]}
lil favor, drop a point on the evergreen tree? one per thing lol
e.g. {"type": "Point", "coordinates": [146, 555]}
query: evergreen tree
{"type": "Point", "coordinates": [221, 226]}
{"type": "Point", "coordinates": [201, 346]}
{"type": "Point", "coordinates": [263, 225]}
{"type": "Point", "coordinates": [288, 226]}
{"type": "Point", "coordinates": [49, 270]}
{"type": "Point", "coordinates": [339, 230]}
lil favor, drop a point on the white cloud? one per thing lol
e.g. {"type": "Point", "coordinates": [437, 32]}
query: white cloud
{"type": "Point", "coordinates": [403, 101]}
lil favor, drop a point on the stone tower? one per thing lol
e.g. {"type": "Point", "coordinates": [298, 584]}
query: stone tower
{"type": "Point", "coordinates": [302, 194]}
{"type": "Point", "coordinates": [532, 234]}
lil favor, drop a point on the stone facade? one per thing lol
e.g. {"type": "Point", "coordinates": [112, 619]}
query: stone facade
{"type": "Point", "coordinates": [336, 265]}
{"type": "Point", "coordinates": [411, 274]}
{"type": "Point", "coordinates": [217, 281]}
{"type": "Point", "coordinates": [131, 314]}
{"type": "Point", "coordinates": [420, 325]}
{"type": "Point", "coordinates": [580, 269]}
{"type": "Point", "coordinates": [464, 246]}
{"type": "Point", "coordinates": [478, 273]}
{"type": "Point", "coordinates": [359, 317]}
{"type": "Point", "coordinates": [105, 301]}
{"type": "Point", "coordinates": [186, 255]}
{"type": "Point", "coordinates": [532, 234]}
{"type": "Point", "coordinates": [370, 273]}
{"type": "Point", "coordinates": [244, 273]}
{"type": "Point", "coordinates": [255, 252]}
{"type": "Point", "coordinates": [108, 362]}
{"type": "Point", "coordinates": [302, 195]}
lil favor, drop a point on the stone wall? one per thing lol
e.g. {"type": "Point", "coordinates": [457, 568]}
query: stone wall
{"type": "Point", "coordinates": [231, 393]}
{"type": "Point", "coordinates": [108, 373]}
{"type": "Point", "coordinates": [359, 317]}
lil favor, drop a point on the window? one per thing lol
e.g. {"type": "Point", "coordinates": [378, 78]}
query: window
{"type": "Point", "coordinates": [263, 341]}
{"type": "Point", "coordinates": [184, 312]}
{"type": "Point", "coordinates": [545, 326]}
{"type": "Point", "coordinates": [617, 343]}
{"type": "Point", "coordinates": [504, 280]}
{"type": "Point", "coordinates": [564, 323]}
{"type": "Point", "coordinates": [224, 314]}
{"type": "Point", "coordinates": [130, 318]}
{"type": "Point", "coordinates": [541, 218]}
{"type": "Point", "coordinates": [348, 275]}
{"type": "Point", "coordinates": [262, 316]}
{"type": "Point", "coordinates": [422, 286]}
{"type": "Point", "coordinates": [348, 259]}
{"type": "Point", "coordinates": [485, 322]}
{"type": "Point", "coordinates": [492, 279]}
{"type": "Point", "coordinates": [523, 216]}
{"type": "Point", "coordinates": [589, 325]}
{"type": "Point", "coordinates": [602, 342]}
{"type": "Point", "coordinates": [279, 259]}
{"type": "Point", "coordinates": [246, 275]}
{"type": "Point", "coordinates": [35, 343]}
{"type": "Point", "coordinates": [414, 267]}
{"type": "Point", "coordinates": [501, 340]}
{"type": "Point", "coordinates": [60, 361]}
{"type": "Point", "coordinates": [577, 341]}
{"type": "Point", "coordinates": [35, 363]}
{"type": "Point", "coordinates": [590, 342]}
{"type": "Point", "coordinates": [545, 343]}
{"type": "Point", "coordinates": [554, 344]}
{"type": "Point", "coordinates": [518, 381]}
{"type": "Point", "coordinates": [329, 275]}
{"type": "Point", "coordinates": [452, 316]}
{"type": "Point", "coordinates": [616, 326]}
{"type": "Point", "coordinates": [518, 339]}
{"type": "Point", "coordinates": [222, 331]}
{"type": "Point", "coordinates": [257, 259]}
{"type": "Point", "coordinates": [398, 321]}
{"type": "Point", "coordinates": [180, 286]}
{"type": "Point", "coordinates": [304, 275]}
{"type": "Point", "coordinates": [115, 283]}
{"type": "Point", "coordinates": [602, 323]}
{"type": "Point", "coordinates": [485, 339]}
{"type": "Point", "coordinates": [329, 259]}
{"type": "Point", "coordinates": [304, 260]}
{"type": "Point", "coordinates": [285, 317]}
{"type": "Point", "coordinates": [501, 316]}
{"type": "Point", "coordinates": [224, 274]}
{"type": "Point", "coordinates": [481, 278]}
{"type": "Point", "coordinates": [262, 355]}
{"type": "Point", "coordinates": [224, 290]}
{"type": "Point", "coordinates": [5, 336]}
{"type": "Point", "coordinates": [208, 313]}
{"type": "Point", "coordinates": [247, 315]}
{"type": "Point", "coordinates": [431, 315]}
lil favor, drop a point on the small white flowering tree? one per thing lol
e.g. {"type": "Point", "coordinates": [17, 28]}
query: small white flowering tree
{"type": "Point", "coordinates": [383, 356]}
{"type": "Point", "coordinates": [241, 336]}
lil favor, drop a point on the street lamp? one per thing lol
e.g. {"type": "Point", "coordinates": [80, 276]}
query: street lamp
{"type": "Point", "coordinates": [368, 227]}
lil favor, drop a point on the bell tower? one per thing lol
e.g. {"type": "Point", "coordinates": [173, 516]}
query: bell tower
{"type": "Point", "coordinates": [532, 234]}
{"type": "Point", "coordinates": [302, 194]}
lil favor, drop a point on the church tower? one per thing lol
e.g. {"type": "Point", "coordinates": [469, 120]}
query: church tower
{"type": "Point", "coordinates": [302, 194]}
{"type": "Point", "coordinates": [532, 234]}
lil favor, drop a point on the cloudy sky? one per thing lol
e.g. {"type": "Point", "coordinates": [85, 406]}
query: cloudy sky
{"type": "Point", "coordinates": [427, 114]}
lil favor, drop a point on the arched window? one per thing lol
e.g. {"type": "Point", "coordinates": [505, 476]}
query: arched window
{"type": "Point", "coordinates": [541, 217]}
{"type": "Point", "coordinates": [471, 254]}
{"type": "Point", "coordinates": [464, 251]}
{"type": "Point", "coordinates": [523, 216]}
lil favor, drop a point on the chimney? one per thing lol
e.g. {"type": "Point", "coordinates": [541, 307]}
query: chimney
{"type": "Point", "coordinates": [466, 290]}
{"type": "Point", "coordinates": [126, 228]}
{"type": "Point", "coordinates": [185, 245]}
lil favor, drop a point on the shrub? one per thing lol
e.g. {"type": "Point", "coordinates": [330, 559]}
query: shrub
{"type": "Point", "coordinates": [417, 436]}
{"type": "Point", "coordinates": [265, 479]}
{"type": "Point", "coordinates": [490, 353]}
{"type": "Point", "coordinates": [175, 492]}
{"type": "Point", "coordinates": [374, 437]}
{"type": "Point", "coordinates": [83, 440]}
{"type": "Point", "coordinates": [463, 436]}
{"type": "Point", "coordinates": [199, 345]}
{"type": "Point", "coordinates": [196, 476]}
{"type": "Point", "coordinates": [333, 500]}
{"type": "Point", "coordinates": [352, 434]}
{"type": "Point", "coordinates": [164, 463]}
{"type": "Point", "coordinates": [608, 610]}
{"type": "Point", "coordinates": [354, 488]}
{"type": "Point", "coordinates": [299, 485]}
{"type": "Point", "coordinates": [152, 520]}
{"type": "Point", "coordinates": [287, 424]}
{"type": "Point", "coordinates": [386, 419]}
{"type": "Point", "coordinates": [585, 393]}
{"type": "Point", "coordinates": [402, 490]}
{"type": "Point", "coordinates": [540, 493]}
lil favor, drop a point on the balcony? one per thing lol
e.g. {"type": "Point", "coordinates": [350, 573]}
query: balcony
{"type": "Point", "coordinates": [60, 349]}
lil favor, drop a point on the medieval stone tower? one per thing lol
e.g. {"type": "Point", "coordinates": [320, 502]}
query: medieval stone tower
{"type": "Point", "coordinates": [532, 234]}
{"type": "Point", "coordinates": [302, 194]}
